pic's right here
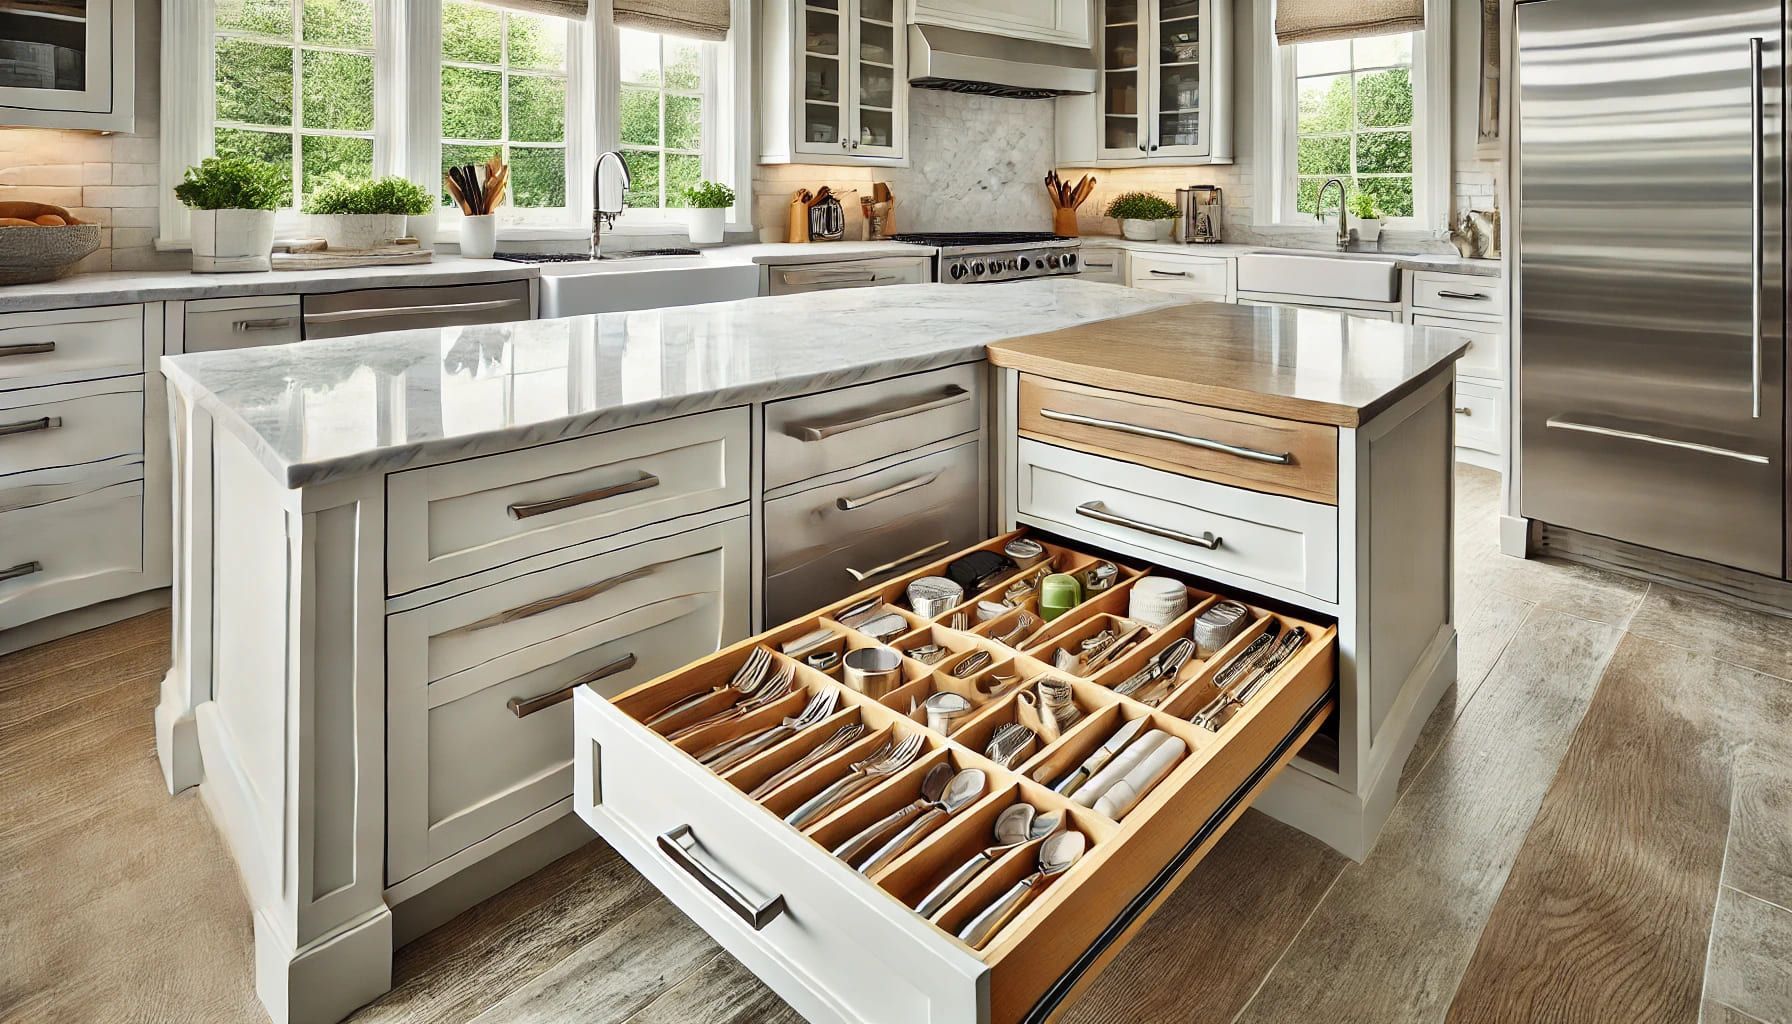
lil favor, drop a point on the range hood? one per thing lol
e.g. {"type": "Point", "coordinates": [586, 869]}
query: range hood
{"type": "Point", "coordinates": [991, 65]}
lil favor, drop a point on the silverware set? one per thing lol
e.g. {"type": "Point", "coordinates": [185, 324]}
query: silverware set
{"type": "Point", "coordinates": [1114, 778]}
{"type": "Point", "coordinates": [971, 664]}
{"type": "Point", "coordinates": [1016, 826]}
{"type": "Point", "coordinates": [746, 678]}
{"type": "Point", "coordinates": [725, 755]}
{"type": "Point", "coordinates": [843, 737]}
{"type": "Point", "coordinates": [943, 794]}
{"type": "Point", "coordinates": [1247, 673]}
{"type": "Point", "coordinates": [1157, 680]}
{"type": "Point", "coordinates": [1011, 744]}
{"type": "Point", "coordinates": [1056, 855]}
{"type": "Point", "coordinates": [1024, 626]}
{"type": "Point", "coordinates": [773, 684]}
{"type": "Point", "coordinates": [884, 762]}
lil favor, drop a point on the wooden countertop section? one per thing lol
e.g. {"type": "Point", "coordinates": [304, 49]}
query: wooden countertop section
{"type": "Point", "coordinates": [1300, 364]}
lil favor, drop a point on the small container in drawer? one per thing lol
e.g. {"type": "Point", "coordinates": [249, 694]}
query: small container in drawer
{"type": "Point", "coordinates": [66, 553]}
{"type": "Point", "coordinates": [1238, 448]}
{"type": "Point", "coordinates": [1195, 276]}
{"type": "Point", "coordinates": [1247, 535]}
{"type": "Point", "coordinates": [816, 434]}
{"type": "Point", "coordinates": [460, 517]}
{"type": "Point", "coordinates": [1457, 293]}
{"type": "Point", "coordinates": [831, 541]}
{"type": "Point", "coordinates": [71, 425]}
{"type": "Point", "coordinates": [70, 344]}
{"type": "Point", "coordinates": [478, 685]}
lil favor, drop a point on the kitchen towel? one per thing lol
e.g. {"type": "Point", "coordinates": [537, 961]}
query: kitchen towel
{"type": "Point", "coordinates": [693, 19]}
{"type": "Point", "coordinates": [1310, 21]}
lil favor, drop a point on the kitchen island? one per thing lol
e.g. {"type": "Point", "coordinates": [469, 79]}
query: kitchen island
{"type": "Point", "coordinates": [399, 558]}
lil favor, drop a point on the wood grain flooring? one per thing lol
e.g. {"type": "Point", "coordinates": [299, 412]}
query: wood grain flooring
{"type": "Point", "coordinates": [1569, 805]}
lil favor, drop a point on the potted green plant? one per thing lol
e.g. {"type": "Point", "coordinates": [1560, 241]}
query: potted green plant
{"type": "Point", "coordinates": [419, 211]}
{"type": "Point", "coordinates": [1366, 215]}
{"type": "Point", "coordinates": [709, 203]}
{"type": "Point", "coordinates": [1141, 214]}
{"type": "Point", "coordinates": [233, 202]}
{"type": "Point", "coordinates": [352, 214]}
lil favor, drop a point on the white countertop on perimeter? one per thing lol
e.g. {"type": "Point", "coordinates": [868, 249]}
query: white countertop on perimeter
{"type": "Point", "coordinates": [1443, 263]}
{"type": "Point", "coordinates": [319, 410]}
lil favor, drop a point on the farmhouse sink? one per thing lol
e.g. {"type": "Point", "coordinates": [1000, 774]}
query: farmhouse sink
{"type": "Point", "coordinates": [1334, 277]}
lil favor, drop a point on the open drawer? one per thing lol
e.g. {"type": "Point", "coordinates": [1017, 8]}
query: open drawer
{"type": "Point", "coordinates": [741, 849]}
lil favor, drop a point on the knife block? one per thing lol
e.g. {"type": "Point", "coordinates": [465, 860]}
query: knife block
{"type": "Point", "coordinates": [797, 230]}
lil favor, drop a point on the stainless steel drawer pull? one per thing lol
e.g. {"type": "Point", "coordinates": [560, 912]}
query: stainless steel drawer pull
{"type": "Point", "coordinates": [1099, 266]}
{"type": "Point", "coordinates": [548, 604]}
{"type": "Point", "coordinates": [1463, 410]}
{"type": "Point", "coordinates": [1557, 423]}
{"type": "Point", "coordinates": [827, 276]}
{"type": "Point", "coordinates": [524, 510]}
{"type": "Point", "coordinates": [30, 426]}
{"type": "Point", "coordinates": [1098, 511]}
{"type": "Point", "coordinates": [953, 395]}
{"type": "Point", "coordinates": [22, 569]}
{"type": "Point", "coordinates": [866, 574]}
{"type": "Point", "coordinates": [681, 846]}
{"type": "Point", "coordinates": [266, 324]}
{"type": "Point", "coordinates": [1208, 443]}
{"type": "Point", "coordinates": [27, 348]}
{"type": "Point", "coordinates": [848, 504]}
{"type": "Point", "coordinates": [1445, 293]}
{"type": "Point", "coordinates": [383, 312]}
{"type": "Point", "coordinates": [1170, 273]}
{"type": "Point", "coordinates": [523, 707]}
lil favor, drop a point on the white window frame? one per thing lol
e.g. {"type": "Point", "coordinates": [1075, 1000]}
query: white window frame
{"type": "Point", "coordinates": [1276, 172]}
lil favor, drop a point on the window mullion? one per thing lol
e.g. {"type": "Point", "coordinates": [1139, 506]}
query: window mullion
{"type": "Point", "coordinates": [298, 102]}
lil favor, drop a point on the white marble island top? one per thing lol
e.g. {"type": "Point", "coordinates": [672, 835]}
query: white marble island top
{"type": "Point", "coordinates": [320, 410]}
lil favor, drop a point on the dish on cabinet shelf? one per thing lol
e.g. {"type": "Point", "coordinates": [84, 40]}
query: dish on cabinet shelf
{"type": "Point", "coordinates": [841, 945]}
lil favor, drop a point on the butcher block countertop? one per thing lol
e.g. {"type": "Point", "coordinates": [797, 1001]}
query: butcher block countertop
{"type": "Point", "coordinates": [1315, 366]}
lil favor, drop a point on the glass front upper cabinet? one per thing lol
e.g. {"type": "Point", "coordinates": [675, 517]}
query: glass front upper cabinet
{"type": "Point", "coordinates": [848, 89]}
{"type": "Point", "coordinates": [68, 64]}
{"type": "Point", "coordinates": [1159, 67]}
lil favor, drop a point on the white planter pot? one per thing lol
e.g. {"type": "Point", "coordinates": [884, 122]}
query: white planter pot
{"type": "Point", "coordinates": [1141, 230]}
{"type": "Point", "coordinates": [423, 229]}
{"type": "Point", "coordinates": [232, 240]}
{"type": "Point", "coordinates": [706, 225]}
{"type": "Point", "coordinates": [1368, 230]}
{"type": "Point", "coordinates": [479, 236]}
{"type": "Point", "coordinates": [358, 230]}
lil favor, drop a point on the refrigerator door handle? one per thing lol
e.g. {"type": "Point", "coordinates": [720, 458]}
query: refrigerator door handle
{"type": "Point", "coordinates": [1757, 202]}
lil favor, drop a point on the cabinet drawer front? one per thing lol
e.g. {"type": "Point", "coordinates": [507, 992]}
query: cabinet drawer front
{"type": "Point", "coordinates": [827, 277]}
{"type": "Point", "coordinates": [1242, 449]}
{"type": "Point", "coordinates": [843, 946]}
{"type": "Point", "coordinates": [214, 325]}
{"type": "Point", "coordinates": [480, 748]}
{"type": "Point", "coordinates": [806, 437]}
{"type": "Point", "coordinates": [69, 431]}
{"type": "Point", "coordinates": [1261, 537]}
{"type": "Point", "coordinates": [370, 311]}
{"type": "Point", "coordinates": [897, 517]}
{"type": "Point", "coordinates": [449, 520]}
{"type": "Point", "coordinates": [71, 344]}
{"type": "Point", "coordinates": [1478, 418]}
{"type": "Point", "coordinates": [1455, 293]}
{"type": "Point", "coordinates": [66, 554]}
{"type": "Point", "coordinates": [1486, 345]}
{"type": "Point", "coordinates": [1106, 266]}
{"type": "Point", "coordinates": [1185, 275]}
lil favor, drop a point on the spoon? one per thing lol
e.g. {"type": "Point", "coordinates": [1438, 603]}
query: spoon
{"type": "Point", "coordinates": [967, 788]}
{"type": "Point", "coordinates": [1055, 857]}
{"type": "Point", "coordinates": [1015, 826]}
{"type": "Point", "coordinates": [933, 786]}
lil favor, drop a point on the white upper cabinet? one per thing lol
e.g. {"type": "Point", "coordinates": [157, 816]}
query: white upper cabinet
{"type": "Point", "coordinates": [69, 64]}
{"type": "Point", "coordinates": [1065, 22]}
{"type": "Point", "coordinates": [1165, 90]}
{"type": "Point", "coordinates": [835, 82]}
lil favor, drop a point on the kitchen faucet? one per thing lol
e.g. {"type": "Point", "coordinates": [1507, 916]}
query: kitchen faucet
{"type": "Point", "coordinates": [1343, 223]}
{"type": "Point", "coordinates": [609, 196]}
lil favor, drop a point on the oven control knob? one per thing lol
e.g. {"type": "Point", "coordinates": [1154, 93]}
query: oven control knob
{"type": "Point", "coordinates": [1025, 264]}
{"type": "Point", "coordinates": [1054, 261]}
{"type": "Point", "coordinates": [977, 269]}
{"type": "Point", "coordinates": [958, 271]}
{"type": "Point", "coordinates": [1070, 259]}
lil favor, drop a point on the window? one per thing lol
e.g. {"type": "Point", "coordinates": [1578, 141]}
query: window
{"type": "Point", "coordinates": [294, 84]}
{"type": "Point", "coordinates": [661, 105]}
{"type": "Point", "coordinates": [504, 91]}
{"type": "Point", "coordinates": [1354, 119]}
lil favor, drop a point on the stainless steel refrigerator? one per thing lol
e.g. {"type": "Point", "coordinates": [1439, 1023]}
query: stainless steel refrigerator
{"type": "Point", "coordinates": [1650, 189]}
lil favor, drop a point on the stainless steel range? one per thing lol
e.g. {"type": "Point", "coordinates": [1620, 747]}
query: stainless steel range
{"type": "Point", "coordinates": [972, 257]}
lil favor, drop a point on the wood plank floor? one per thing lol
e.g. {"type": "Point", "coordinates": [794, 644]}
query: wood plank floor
{"type": "Point", "coordinates": [1593, 827]}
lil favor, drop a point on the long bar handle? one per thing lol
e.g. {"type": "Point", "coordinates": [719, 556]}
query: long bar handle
{"type": "Point", "coordinates": [827, 276]}
{"type": "Point", "coordinates": [1558, 423]}
{"type": "Point", "coordinates": [525, 510]}
{"type": "Point", "coordinates": [264, 324]}
{"type": "Point", "coordinates": [849, 504]}
{"type": "Point", "coordinates": [681, 846]}
{"type": "Point", "coordinates": [1757, 245]}
{"type": "Point", "coordinates": [879, 570]}
{"type": "Point", "coordinates": [1208, 443]}
{"type": "Point", "coordinates": [523, 707]}
{"type": "Point", "coordinates": [27, 348]}
{"type": "Point", "coordinates": [1169, 273]}
{"type": "Point", "coordinates": [381, 313]}
{"type": "Point", "coordinates": [22, 569]}
{"type": "Point", "coordinates": [548, 604]}
{"type": "Point", "coordinates": [30, 426]}
{"type": "Point", "coordinates": [952, 396]}
{"type": "Point", "coordinates": [1098, 511]}
{"type": "Point", "coordinates": [1446, 293]}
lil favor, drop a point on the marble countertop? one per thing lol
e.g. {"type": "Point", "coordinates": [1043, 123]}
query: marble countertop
{"type": "Point", "coordinates": [1443, 263]}
{"type": "Point", "coordinates": [320, 410]}
{"type": "Point", "coordinates": [1313, 365]}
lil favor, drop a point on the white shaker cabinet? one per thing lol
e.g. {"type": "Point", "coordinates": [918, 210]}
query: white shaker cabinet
{"type": "Point", "coordinates": [834, 82]}
{"type": "Point", "coordinates": [1065, 22]}
{"type": "Point", "coordinates": [1165, 87]}
{"type": "Point", "coordinates": [70, 65]}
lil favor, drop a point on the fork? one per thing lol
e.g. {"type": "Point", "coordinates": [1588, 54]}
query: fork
{"type": "Point", "coordinates": [861, 776]}
{"type": "Point", "coordinates": [843, 737]}
{"type": "Point", "coordinates": [1024, 624]}
{"type": "Point", "coordinates": [1163, 668]}
{"type": "Point", "coordinates": [770, 691]}
{"type": "Point", "coordinates": [732, 752]}
{"type": "Point", "coordinates": [746, 679]}
{"type": "Point", "coordinates": [1010, 744]}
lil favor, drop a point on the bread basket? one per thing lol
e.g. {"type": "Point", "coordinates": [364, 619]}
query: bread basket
{"type": "Point", "coordinates": [43, 250]}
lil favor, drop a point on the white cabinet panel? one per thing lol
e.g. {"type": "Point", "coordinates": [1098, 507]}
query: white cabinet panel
{"type": "Point", "coordinates": [1049, 21]}
{"type": "Point", "coordinates": [68, 553]}
{"type": "Point", "coordinates": [70, 344]}
{"type": "Point", "coordinates": [71, 425]}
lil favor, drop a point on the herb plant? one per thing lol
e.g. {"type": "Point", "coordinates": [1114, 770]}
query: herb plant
{"type": "Point", "coordinates": [709, 195]}
{"type": "Point", "coordinates": [390, 195]}
{"type": "Point", "coordinates": [1141, 206]}
{"type": "Point", "coordinates": [234, 183]}
{"type": "Point", "coordinates": [1362, 206]}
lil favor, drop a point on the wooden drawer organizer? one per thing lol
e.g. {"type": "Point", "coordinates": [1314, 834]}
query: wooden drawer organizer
{"type": "Point", "coordinates": [1056, 944]}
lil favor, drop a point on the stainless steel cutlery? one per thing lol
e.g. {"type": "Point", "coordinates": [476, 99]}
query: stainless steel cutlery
{"type": "Point", "coordinates": [773, 687]}
{"type": "Point", "coordinates": [729, 753]}
{"type": "Point", "coordinates": [1011, 744]}
{"type": "Point", "coordinates": [746, 679]}
{"type": "Point", "coordinates": [1056, 856]}
{"type": "Point", "coordinates": [887, 761]}
{"type": "Point", "coordinates": [1242, 685]}
{"type": "Point", "coordinates": [1015, 826]}
{"type": "Point", "coordinates": [843, 737]}
{"type": "Point", "coordinates": [1102, 755]}
{"type": "Point", "coordinates": [1151, 684]}
{"type": "Point", "coordinates": [965, 789]}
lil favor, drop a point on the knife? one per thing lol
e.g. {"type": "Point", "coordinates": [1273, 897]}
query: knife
{"type": "Point", "coordinates": [1103, 754]}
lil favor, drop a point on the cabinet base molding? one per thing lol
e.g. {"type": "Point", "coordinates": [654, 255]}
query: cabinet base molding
{"type": "Point", "coordinates": [1515, 536]}
{"type": "Point", "coordinates": [80, 620]}
{"type": "Point", "coordinates": [327, 980]}
{"type": "Point", "coordinates": [537, 842]}
{"type": "Point", "coordinates": [177, 736]}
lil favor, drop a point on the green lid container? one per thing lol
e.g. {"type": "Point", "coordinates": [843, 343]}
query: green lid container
{"type": "Point", "coordinates": [1058, 593]}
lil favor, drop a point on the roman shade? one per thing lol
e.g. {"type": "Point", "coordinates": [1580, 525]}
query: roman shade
{"type": "Point", "coordinates": [574, 10]}
{"type": "Point", "coordinates": [1311, 21]}
{"type": "Point", "coordinates": [693, 19]}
